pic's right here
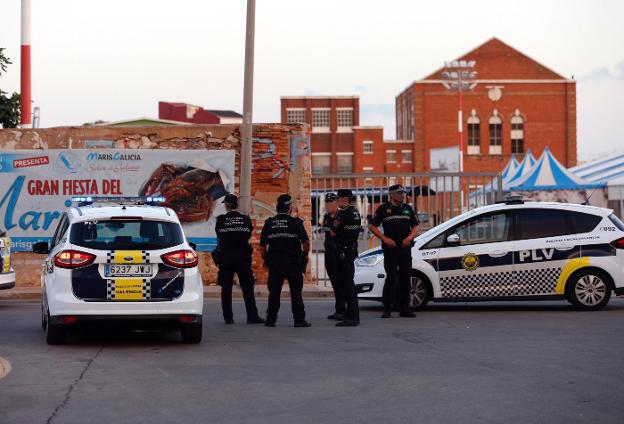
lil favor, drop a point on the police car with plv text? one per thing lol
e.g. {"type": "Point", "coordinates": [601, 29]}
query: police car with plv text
{"type": "Point", "coordinates": [120, 260]}
{"type": "Point", "coordinates": [513, 250]}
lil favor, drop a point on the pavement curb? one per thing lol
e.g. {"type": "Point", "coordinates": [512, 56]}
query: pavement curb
{"type": "Point", "coordinates": [310, 291]}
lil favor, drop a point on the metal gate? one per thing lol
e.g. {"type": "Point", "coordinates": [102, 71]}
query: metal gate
{"type": "Point", "coordinates": [436, 197]}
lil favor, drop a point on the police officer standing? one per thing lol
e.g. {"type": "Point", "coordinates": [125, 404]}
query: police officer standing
{"type": "Point", "coordinates": [331, 255]}
{"type": "Point", "coordinates": [234, 256]}
{"type": "Point", "coordinates": [285, 246]}
{"type": "Point", "coordinates": [400, 226]}
{"type": "Point", "coordinates": [347, 227]}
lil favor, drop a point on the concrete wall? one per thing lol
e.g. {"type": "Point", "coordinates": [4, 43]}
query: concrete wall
{"type": "Point", "coordinates": [281, 164]}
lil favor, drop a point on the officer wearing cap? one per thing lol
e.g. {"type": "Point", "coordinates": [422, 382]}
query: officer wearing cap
{"type": "Point", "coordinates": [331, 255]}
{"type": "Point", "coordinates": [285, 246]}
{"type": "Point", "coordinates": [234, 256]}
{"type": "Point", "coordinates": [347, 227]}
{"type": "Point", "coordinates": [400, 226]}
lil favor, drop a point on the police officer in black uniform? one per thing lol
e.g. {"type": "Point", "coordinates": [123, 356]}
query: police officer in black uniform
{"type": "Point", "coordinates": [331, 255]}
{"type": "Point", "coordinates": [285, 247]}
{"type": "Point", "coordinates": [347, 227]}
{"type": "Point", "coordinates": [400, 226]}
{"type": "Point", "coordinates": [234, 256]}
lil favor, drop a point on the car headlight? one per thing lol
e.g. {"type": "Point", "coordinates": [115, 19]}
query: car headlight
{"type": "Point", "coordinates": [369, 260]}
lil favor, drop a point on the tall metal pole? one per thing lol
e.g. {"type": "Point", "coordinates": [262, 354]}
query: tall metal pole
{"type": "Point", "coordinates": [25, 93]}
{"type": "Point", "coordinates": [247, 127]}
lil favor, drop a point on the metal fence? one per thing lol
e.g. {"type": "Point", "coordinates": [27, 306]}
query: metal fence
{"type": "Point", "coordinates": [436, 197]}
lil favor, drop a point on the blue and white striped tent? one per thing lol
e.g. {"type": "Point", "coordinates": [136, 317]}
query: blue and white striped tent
{"type": "Point", "coordinates": [523, 169]}
{"type": "Point", "coordinates": [511, 167]}
{"type": "Point", "coordinates": [601, 170]}
{"type": "Point", "coordinates": [548, 174]}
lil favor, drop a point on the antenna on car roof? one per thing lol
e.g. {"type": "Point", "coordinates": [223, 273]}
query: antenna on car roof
{"type": "Point", "coordinates": [586, 202]}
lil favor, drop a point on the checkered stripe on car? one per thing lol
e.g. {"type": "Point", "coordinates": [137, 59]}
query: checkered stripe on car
{"type": "Point", "coordinates": [478, 285]}
{"type": "Point", "coordinates": [110, 289]}
{"type": "Point", "coordinates": [537, 281]}
{"type": "Point", "coordinates": [147, 289]}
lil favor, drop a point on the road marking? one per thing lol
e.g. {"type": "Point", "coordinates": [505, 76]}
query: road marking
{"type": "Point", "coordinates": [5, 367]}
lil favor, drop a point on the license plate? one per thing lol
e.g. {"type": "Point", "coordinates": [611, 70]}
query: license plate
{"type": "Point", "coordinates": [133, 270]}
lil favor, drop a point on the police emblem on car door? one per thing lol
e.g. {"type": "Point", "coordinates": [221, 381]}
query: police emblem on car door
{"type": "Point", "coordinates": [477, 258]}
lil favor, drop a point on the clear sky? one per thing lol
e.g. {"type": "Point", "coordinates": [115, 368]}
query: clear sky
{"type": "Point", "coordinates": [115, 59]}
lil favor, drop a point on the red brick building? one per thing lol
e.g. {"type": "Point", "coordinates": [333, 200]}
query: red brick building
{"type": "Point", "coordinates": [517, 105]}
{"type": "Point", "coordinates": [339, 144]}
{"type": "Point", "coordinates": [184, 112]}
{"type": "Point", "coordinates": [333, 121]}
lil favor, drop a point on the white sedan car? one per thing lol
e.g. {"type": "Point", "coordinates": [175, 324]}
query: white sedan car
{"type": "Point", "coordinates": [512, 251]}
{"type": "Point", "coordinates": [126, 263]}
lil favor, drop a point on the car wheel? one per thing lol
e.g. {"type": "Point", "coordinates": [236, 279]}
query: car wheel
{"type": "Point", "coordinates": [55, 335]}
{"type": "Point", "coordinates": [420, 291]}
{"type": "Point", "coordinates": [192, 335]}
{"type": "Point", "coordinates": [589, 290]}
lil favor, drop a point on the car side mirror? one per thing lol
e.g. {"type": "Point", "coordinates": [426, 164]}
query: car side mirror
{"type": "Point", "coordinates": [41, 247]}
{"type": "Point", "coordinates": [453, 240]}
{"type": "Point", "coordinates": [193, 245]}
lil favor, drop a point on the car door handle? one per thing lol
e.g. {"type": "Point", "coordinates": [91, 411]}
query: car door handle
{"type": "Point", "coordinates": [498, 253]}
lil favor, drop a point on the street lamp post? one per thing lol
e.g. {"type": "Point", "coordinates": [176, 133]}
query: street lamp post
{"type": "Point", "coordinates": [247, 126]}
{"type": "Point", "coordinates": [460, 76]}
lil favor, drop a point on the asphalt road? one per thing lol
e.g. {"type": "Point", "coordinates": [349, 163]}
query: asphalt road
{"type": "Point", "coordinates": [490, 363]}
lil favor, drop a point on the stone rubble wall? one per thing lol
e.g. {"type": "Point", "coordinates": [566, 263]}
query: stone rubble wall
{"type": "Point", "coordinates": [281, 164]}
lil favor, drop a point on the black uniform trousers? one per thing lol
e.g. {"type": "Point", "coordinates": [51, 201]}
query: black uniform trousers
{"type": "Point", "coordinates": [398, 267]}
{"type": "Point", "coordinates": [331, 265]}
{"type": "Point", "coordinates": [345, 273]}
{"type": "Point", "coordinates": [280, 269]}
{"type": "Point", "coordinates": [238, 262]}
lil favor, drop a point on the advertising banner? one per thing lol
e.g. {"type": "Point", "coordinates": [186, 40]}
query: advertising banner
{"type": "Point", "coordinates": [36, 186]}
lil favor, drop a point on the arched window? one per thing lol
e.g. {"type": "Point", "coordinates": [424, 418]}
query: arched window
{"type": "Point", "coordinates": [517, 134]}
{"type": "Point", "coordinates": [474, 135]}
{"type": "Point", "coordinates": [496, 134]}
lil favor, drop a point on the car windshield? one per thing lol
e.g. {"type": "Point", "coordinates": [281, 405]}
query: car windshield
{"type": "Point", "coordinates": [126, 234]}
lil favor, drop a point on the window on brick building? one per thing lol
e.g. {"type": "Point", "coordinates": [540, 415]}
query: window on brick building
{"type": "Point", "coordinates": [474, 135]}
{"type": "Point", "coordinates": [368, 169]}
{"type": "Point", "coordinates": [367, 146]}
{"type": "Point", "coordinates": [296, 116]}
{"type": "Point", "coordinates": [496, 135]}
{"type": "Point", "coordinates": [406, 156]}
{"type": "Point", "coordinates": [345, 164]}
{"type": "Point", "coordinates": [321, 164]}
{"type": "Point", "coordinates": [345, 119]}
{"type": "Point", "coordinates": [391, 156]}
{"type": "Point", "coordinates": [321, 120]}
{"type": "Point", "coordinates": [517, 134]}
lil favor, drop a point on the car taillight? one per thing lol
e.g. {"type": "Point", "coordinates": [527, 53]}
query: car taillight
{"type": "Point", "coordinates": [181, 259]}
{"type": "Point", "coordinates": [72, 259]}
{"type": "Point", "coordinates": [618, 244]}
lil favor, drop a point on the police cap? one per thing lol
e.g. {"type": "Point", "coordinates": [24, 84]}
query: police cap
{"type": "Point", "coordinates": [230, 200]}
{"type": "Point", "coordinates": [345, 192]}
{"type": "Point", "coordinates": [330, 197]}
{"type": "Point", "coordinates": [284, 200]}
{"type": "Point", "coordinates": [397, 188]}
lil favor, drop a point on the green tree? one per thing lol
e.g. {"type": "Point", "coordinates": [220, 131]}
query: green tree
{"type": "Point", "coordinates": [9, 104]}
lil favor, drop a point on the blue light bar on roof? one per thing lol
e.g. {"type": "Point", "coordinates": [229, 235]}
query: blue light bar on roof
{"type": "Point", "coordinates": [137, 200]}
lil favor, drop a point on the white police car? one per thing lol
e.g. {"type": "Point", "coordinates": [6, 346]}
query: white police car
{"type": "Point", "coordinates": [7, 275]}
{"type": "Point", "coordinates": [121, 260]}
{"type": "Point", "coordinates": [512, 251]}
